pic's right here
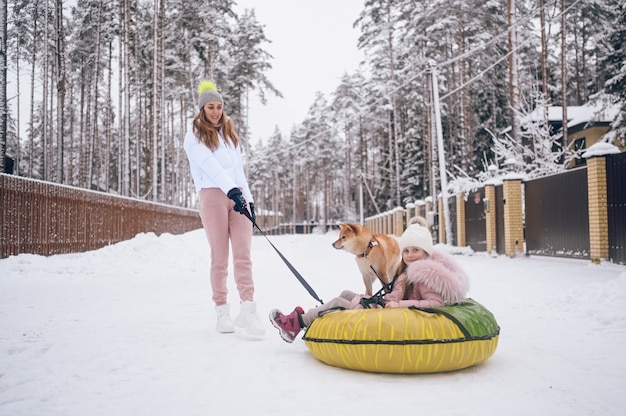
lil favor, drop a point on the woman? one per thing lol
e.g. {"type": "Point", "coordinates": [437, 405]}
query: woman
{"type": "Point", "coordinates": [429, 278]}
{"type": "Point", "coordinates": [214, 153]}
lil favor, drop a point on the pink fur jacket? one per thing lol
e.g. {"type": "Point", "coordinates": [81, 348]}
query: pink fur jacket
{"type": "Point", "coordinates": [437, 280]}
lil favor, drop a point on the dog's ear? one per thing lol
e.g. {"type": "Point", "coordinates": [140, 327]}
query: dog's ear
{"type": "Point", "coordinates": [355, 228]}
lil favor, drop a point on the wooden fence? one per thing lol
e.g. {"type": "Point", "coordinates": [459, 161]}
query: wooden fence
{"type": "Point", "coordinates": [46, 218]}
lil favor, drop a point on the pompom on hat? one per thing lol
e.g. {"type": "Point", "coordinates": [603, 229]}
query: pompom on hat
{"type": "Point", "coordinates": [207, 91]}
{"type": "Point", "coordinates": [416, 236]}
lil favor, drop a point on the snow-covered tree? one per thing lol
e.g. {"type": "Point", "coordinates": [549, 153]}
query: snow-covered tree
{"type": "Point", "coordinates": [615, 66]}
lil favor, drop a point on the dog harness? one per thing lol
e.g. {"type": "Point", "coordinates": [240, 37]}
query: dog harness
{"type": "Point", "coordinates": [387, 287]}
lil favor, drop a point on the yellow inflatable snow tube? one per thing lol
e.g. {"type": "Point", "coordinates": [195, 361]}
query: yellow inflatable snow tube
{"type": "Point", "coordinates": [405, 340]}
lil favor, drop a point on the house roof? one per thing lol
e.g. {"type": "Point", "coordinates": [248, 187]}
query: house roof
{"type": "Point", "coordinates": [592, 114]}
{"type": "Point", "coordinates": [578, 117]}
{"type": "Point", "coordinates": [579, 114]}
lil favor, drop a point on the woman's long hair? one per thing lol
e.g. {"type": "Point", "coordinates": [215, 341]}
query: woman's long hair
{"type": "Point", "coordinates": [207, 133]}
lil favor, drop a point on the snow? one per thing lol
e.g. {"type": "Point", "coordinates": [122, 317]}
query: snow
{"type": "Point", "coordinates": [601, 149]}
{"type": "Point", "coordinates": [594, 111]}
{"type": "Point", "coordinates": [598, 111]}
{"type": "Point", "coordinates": [130, 330]}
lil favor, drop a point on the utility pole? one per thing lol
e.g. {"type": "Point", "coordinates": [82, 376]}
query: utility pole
{"type": "Point", "coordinates": [441, 155]}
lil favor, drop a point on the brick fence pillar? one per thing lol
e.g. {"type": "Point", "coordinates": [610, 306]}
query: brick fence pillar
{"type": "Point", "coordinates": [490, 218]}
{"type": "Point", "coordinates": [598, 213]}
{"type": "Point", "coordinates": [513, 221]}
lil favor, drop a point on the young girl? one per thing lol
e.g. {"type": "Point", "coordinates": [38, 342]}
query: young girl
{"type": "Point", "coordinates": [429, 278]}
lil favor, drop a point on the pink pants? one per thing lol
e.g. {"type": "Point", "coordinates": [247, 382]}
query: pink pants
{"type": "Point", "coordinates": [222, 222]}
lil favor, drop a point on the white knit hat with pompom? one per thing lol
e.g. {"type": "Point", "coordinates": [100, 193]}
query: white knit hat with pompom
{"type": "Point", "coordinates": [417, 236]}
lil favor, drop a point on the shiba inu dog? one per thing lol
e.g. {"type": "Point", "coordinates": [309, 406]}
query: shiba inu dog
{"type": "Point", "coordinates": [377, 255]}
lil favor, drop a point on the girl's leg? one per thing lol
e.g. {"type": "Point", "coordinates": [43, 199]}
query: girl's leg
{"type": "Point", "coordinates": [348, 294]}
{"type": "Point", "coordinates": [335, 303]}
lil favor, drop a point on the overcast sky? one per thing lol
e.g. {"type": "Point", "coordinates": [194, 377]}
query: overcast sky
{"type": "Point", "coordinates": [313, 44]}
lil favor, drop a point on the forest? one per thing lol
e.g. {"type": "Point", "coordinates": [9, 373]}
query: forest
{"type": "Point", "coordinates": [112, 87]}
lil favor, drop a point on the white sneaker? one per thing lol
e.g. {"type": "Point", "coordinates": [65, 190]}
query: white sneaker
{"type": "Point", "coordinates": [224, 323]}
{"type": "Point", "coordinates": [249, 319]}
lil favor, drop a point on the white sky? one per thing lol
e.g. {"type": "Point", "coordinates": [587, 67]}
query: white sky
{"type": "Point", "coordinates": [313, 45]}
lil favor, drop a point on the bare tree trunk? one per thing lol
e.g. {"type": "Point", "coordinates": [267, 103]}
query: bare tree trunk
{"type": "Point", "coordinates": [60, 46]}
{"type": "Point", "coordinates": [544, 61]}
{"type": "Point", "coordinates": [121, 132]}
{"type": "Point", "coordinates": [44, 132]}
{"type": "Point", "coordinates": [95, 80]}
{"type": "Point", "coordinates": [31, 133]}
{"type": "Point", "coordinates": [135, 157]}
{"type": "Point", "coordinates": [18, 151]}
{"type": "Point", "coordinates": [362, 162]}
{"type": "Point", "coordinates": [127, 89]}
{"type": "Point", "coordinates": [108, 123]}
{"type": "Point", "coordinates": [155, 101]}
{"type": "Point", "coordinates": [307, 202]}
{"type": "Point", "coordinates": [563, 74]}
{"type": "Point", "coordinates": [3, 82]}
{"type": "Point", "coordinates": [82, 130]}
{"type": "Point", "coordinates": [544, 51]}
{"type": "Point", "coordinates": [162, 117]}
{"type": "Point", "coordinates": [180, 165]}
{"type": "Point", "coordinates": [578, 62]}
{"type": "Point", "coordinates": [70, 166]}
{"type": "Point", "coordinates": [348, 182]}
{"type": "Point", "coordinates": [513, 76]}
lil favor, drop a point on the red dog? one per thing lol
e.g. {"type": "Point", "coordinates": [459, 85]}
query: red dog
{"type": "Point", "coordinates": [377, 255]}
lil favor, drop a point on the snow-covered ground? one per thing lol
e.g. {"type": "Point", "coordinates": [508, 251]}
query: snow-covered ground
{"type": "Point", "coordinates": [129, 330]}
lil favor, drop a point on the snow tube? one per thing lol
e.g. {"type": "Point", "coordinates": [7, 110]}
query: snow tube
{"type": "Point", "coordinates": [405, 340]}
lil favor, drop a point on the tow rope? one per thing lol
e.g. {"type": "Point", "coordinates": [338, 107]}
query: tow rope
{"type": "Point", "coordinates": [289, 265]}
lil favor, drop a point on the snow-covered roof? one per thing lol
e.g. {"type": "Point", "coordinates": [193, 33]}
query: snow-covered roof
{"type": "Point", "coordinates": [555, 113]}
{"type": "Point", "coordinates": [600, 149]}
{"type": "Point", "coordinates": [579, 114]}
{"type": "Point", "coordinates": [597, 113]}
